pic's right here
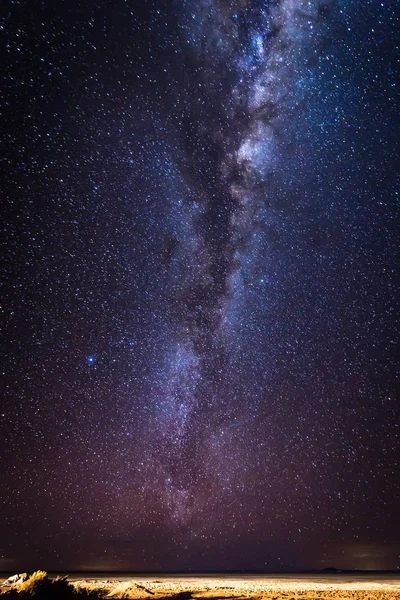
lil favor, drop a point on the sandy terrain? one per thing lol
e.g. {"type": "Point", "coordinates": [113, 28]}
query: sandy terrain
{"type": "Point", "coordinates": [283, 587]}
{"type": "Point", "coordinates": [241, 588]}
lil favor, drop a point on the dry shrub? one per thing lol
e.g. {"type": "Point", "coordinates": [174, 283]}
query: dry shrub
{"type": "Point", "coordinates": [37, 581]}
{"type": "Point", "coordinates": [40, 587]}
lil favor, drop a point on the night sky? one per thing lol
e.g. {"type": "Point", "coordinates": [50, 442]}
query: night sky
{"type": "Point", "coordinates": [199, 342]}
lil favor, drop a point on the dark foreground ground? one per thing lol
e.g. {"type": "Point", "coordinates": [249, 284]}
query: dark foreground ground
{"type": "Point", "coordinates": [210, 587]}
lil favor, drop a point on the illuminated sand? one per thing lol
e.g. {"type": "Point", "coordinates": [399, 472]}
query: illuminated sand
{"type": "Point", "coordinates": [240, 588]}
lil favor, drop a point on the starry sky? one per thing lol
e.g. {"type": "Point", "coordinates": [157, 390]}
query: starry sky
{"type": "Point", "coordinates": [199, 326]}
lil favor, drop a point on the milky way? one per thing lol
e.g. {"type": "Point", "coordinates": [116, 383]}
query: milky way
{"type": "Point", "coordinates": [200, 321]}
{"type": "Point", "coordinates": [267, 50]}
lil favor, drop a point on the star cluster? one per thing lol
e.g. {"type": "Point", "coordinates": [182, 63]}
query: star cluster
{"type": "Point", "coordinates": [200, 277]}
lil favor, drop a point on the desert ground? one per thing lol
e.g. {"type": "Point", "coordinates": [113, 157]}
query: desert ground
{"type": "Point", "coordinates": [242, 588]}
{"type": "Point", "coordinates": [296, 587]}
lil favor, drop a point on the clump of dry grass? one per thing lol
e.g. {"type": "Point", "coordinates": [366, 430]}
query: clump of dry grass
{"type": "Point", "coordinates": [37, 582]}
{"type": "Point", "coordinates": [39, 586]}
